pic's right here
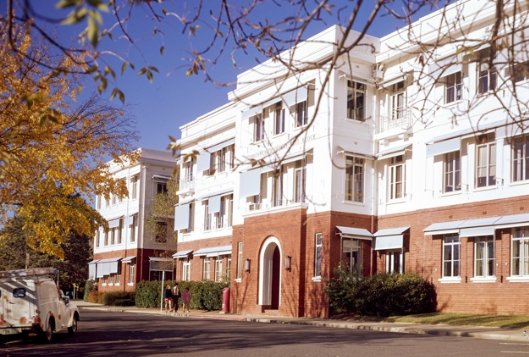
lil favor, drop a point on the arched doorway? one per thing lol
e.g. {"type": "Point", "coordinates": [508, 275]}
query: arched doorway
{"type": "Point", "coordinates": [270, 274]}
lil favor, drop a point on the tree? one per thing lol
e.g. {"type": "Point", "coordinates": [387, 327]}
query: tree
{"type": "Point", "coordinates": [16, 254]}
{"type": "Point", "coordinates": [53, 150]}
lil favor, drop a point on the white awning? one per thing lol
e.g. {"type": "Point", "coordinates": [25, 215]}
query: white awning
{"type": "Point", "coordinates": [114, 223]}
{"type": "Point", "coordinates": [515, 220]}
{"type": "Point", "coordinates": [92, 269]}
{"type": "Point", "coordinates": [128, 259]}
{"type": "Point", "coordinates": [352, 232]}
{"type": "Point", "coordinates": [477, 231]}
{"type": "Point", "coordinates": [443, 147]}
{"type": "Point", "coordinates": [182, 254]}
{"type": "Point", "coordinates": [250, 182]}
{"type": "Point", "coordinates": [214, 204]}
{"type": "Point", "coordinates": [391, 231]}
{"type": "Point", "coordinates": [389, 242]}
{"type": "Point", "coordinates": [107, 266]}
{"type": "Point", "coordinates": [203, 161]}
{"type": "Point", "coordinates": [449, 227]}
{"type": "Point", "coordinates": [181, 219]}
{"type": "Point", "coordinates": [213, 251]}
{"type": "Point", "coordinates": [392, 152]}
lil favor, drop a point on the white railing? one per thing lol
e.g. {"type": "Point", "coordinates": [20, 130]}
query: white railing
{"type": "Point", "coordinates": [399, 119]}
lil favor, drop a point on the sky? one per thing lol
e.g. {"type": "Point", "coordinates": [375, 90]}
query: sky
{"type": "Point", "coordinates": [172, 99]}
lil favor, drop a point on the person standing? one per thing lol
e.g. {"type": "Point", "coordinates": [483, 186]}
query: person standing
{"type": "Point", "coordinates": [186, 301]}
{"type": "Point", "coordinates": [168, 299]}
{"type": "Point", "coordinates": [176, 296]}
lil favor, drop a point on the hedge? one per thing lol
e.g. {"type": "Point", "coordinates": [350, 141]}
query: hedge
{"type": "Point", "coordinates": [381, 294]}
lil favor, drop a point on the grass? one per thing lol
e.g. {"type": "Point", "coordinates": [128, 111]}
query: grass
{"type": "Point", "coordinates": [462, 319]}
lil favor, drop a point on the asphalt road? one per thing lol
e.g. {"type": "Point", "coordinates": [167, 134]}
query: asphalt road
{"type": "Point", "coordinates": [103, 333]}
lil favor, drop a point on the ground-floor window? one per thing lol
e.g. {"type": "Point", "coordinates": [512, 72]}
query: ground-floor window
{"type": "Point", "coordinates": [394, 261]}
{"type": "Point", "coordinates": [352, 255]}
{"type": "Point", "coordinates": [186, 270]}
{"type": "Point", "coordinates": [451, 256]}
{"type": "Point", "coordinates": [218, 270]}
{"type": "Point", "coordinates": [318, 250]}
{"type": "Point", "coordinates": [206, 271]}
{"type": "Point", "coordinates": [484, 260]}
{"type": "Point", "coordinates": [132, 268]}
{"type": "Point", "coordinates": [520, 252]}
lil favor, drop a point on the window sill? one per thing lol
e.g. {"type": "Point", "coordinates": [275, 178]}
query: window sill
{"type": "Point", "coordinates": [484, 279]}
{"type": "Point", "coordinates": [359, 121]}
{"type": "Point", "coordinates": [485, 188]}
{"type": "Point", "coordinates": [316, 279]}
{"type": "Point", "coordinates": [353, 203]}
{"type": "Point", "coordinates": [451, 193]}
{"type": "Point", "coordinates": [518, 279]}
{"type": "Point", "coordinates": [453, 103]}
{"type": "Point", "coordinates": [450, 280]}
{"type": "Point", "coordinates": [519, 182]}
{"type": "Point", "coordinates": [238, 280]}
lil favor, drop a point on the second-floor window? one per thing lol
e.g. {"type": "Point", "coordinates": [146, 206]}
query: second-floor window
{"type": "Point", "coordinates": [486, 76]}
{"type": "Point", "coordinates": [485, 162]}
{"type": "Point", "coordinates": [398, 101]}
{"type": "Point", "coordinates": [258, 128]}
{"type": "Point", "coordinates": [207, 216]}
{"type": "Point", "coordinates": [356, 100]}
{"type": "Point", "coordinates": [277, 189]}
{"type": "Point", "coordinates": [188, 171]}
{"type": "Point", "coordinates": [354, 179]}
{"type": "Point", "coordinates": [299, 184]}
{"type": "Point", "coordinates": [161, 187]}
{"type": "Point", "coordinates": [453, 89]}
{"type": "Point", "coordinates": [191, 227]}
{"type": "Point", "coordinates": [134, 187]}
{"type": "Point", "coordinates": [452, 172]}
{"type": "Point", "coordinates": [396, 178]}
{"type": "Point", "coordinates": [279, 119]}
{"type": "Point", "coordinates": [520, 159]}
{"type": "Point", "coordinates": [300, 114]}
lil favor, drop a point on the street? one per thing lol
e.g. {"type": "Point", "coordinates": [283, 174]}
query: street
{"type": "Point", "coordinates": [103, 333]}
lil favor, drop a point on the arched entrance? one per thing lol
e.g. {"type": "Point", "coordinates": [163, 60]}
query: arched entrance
{"type": "Point", "coordinates": [270, 274]}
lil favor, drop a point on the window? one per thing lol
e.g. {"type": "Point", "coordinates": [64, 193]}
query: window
{"type": "Point", "coordinates": [106, 237]}
{"type": "Point", "coordinates": [354, 179]}
{"type": "Point", "coordinates": [520, 252]}
{"type": "Point", "coordinates": [520, 159]}
{"type": "Point", "coordinates": [207, 216]}
{"type": "Point", "coordinates": [396, 178]}
{"type": "Point", "coordinates": [486, 76]}
{"type": "Point", "coordinates": [299, 184]}
{"type": "Point", "coordinates": [239, 260]}
{"type": "Point", "coordinates": [132, 268]}
{"type": "Point", "coordinates": [119, 230]}
{"type": "Point", "coordinates": [398, 101]}
{"type": "Point", "coordinates": [228, 268]}
{"type": "Point", "coordinates": [191, 227]}
{"type": "Point", "coordinates": [206, 270]}
{"type": "Point", "coordinates": [134, 187]}
{"type": "Point", "coordinates": [218, 270]}
{"type": "Point", "coordinates": [318, 252]}
{"type": "Point", "coordinates": [485, 162]}
{"type": "Point", "coordinates": [452, 172]}
{"type": "Point", "coordinates": [186, 270]}
{"type": "Point", "coordinates": [451, 256]}
{"type": "Point", "coordinates": [484, 257]}
{"type": "Point", "coordinates": [112, 236]}
{"type": "Point", "coordinates": [352, 256]}
{"type": "Point", "coordinates": [279, 120]}
{"type": "Point", "coordinates": [133, 227]}
{"type": "Point", "coordinates": [277, 189]}
{"type": "Point", "coordinates": [188, 171]}
{"type": "Point", "coordinates": [161, 187]}
{"type": "Point", "coordinates": [300, 114]}
{"type": "Point", "coordinates": [520, 71]}
{"type": "Point", "coordinates": [258, 128]}
{"type": "Point", "coordinates": [225, 216]}
{"type": "Point", "coordinates": [394, 262]}
{"type": "Point", "coordinates": [453, 87]}
{"type": "Point", "coordinates": [356, 98]}
{"type": "Point", "coordinates": [230, 156]}
{"type": "Point", "coordinates": [160, 235]}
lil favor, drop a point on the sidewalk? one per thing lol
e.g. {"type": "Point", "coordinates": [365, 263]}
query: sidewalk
{"type": "Point", "coordinates": [488, 333]}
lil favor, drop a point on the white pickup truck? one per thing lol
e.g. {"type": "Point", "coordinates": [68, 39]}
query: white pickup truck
{"type": "Point", "coordinates": [32, 304]}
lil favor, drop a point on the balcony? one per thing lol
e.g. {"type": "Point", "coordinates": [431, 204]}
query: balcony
{"type": "Point", "coordinates": [255, 207]}
{"type": "Point", "coordinates": [400, 120]}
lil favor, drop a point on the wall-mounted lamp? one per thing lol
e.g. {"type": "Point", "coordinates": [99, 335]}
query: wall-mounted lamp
{"type": "Point", "coordinates": [247, 265]}
{"type": "Point", "coordinates": [288, 262]}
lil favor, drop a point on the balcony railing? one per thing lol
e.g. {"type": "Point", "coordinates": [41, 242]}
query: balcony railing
{"type": "Point", "coordinates": [399, 119]}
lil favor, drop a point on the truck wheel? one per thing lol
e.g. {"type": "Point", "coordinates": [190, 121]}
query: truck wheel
{"type": "Point", "coordinates": [73, 329]}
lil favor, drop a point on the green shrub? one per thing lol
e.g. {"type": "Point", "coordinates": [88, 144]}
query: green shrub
{"type": "Point", "coordinates": [381, 294]}
{"type": "Point", "coordinates": [148, 294]}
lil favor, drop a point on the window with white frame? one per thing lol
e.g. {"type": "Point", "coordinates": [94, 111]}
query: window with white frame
{"type": "Point", "coordinates": [484, 260]}
{"type": "Point", "coordinates": [206, 270]}
{"type": "Point", "coordinates": [191, 225]}
{"type": "Point", "coordinates": [485, 162]}
{"type": "Point", "coordinates": [239, 260]}
{"type": "Point", "coordinates": [218, 270]}
{"type": "Point", "coordinates": [207, 215]}
{"type": "Point", "coordinates": [301, 117]}
{"type": "Point", "coordinates": [132, 269]}
{"type": "Point", "coordinates": [451, 256]}
{"type": "Point", "coordinates": [230, 156]}
{"type": "Point", "coordinates": [354, 179]}
{"type": "Point", "coordinates": [228, 268]}
{"type": "Point", "coordinates": [134, 187]}
{"type": "Point", "coordinates": [186, 270]}
{"type": "Point", "coordinates": [299, 184]}
{"type": "Point", "coordinates": [258, 128]}
{"type": "Point", "coordinates": [161, 187]}
{"type": "Point", "coordinates": [394, 261]}
{"type": "Point", "coordinates": [520, 159]}
{"type": "Point", "coordinates": [279, 119]}
{"type": "Point", "coordinates": [318, 254]}
{"type": "Point", "coordinates": [188, 170]}
{"type": "Point", "coordinates": [277, 188]}
{"type": "Point", "coordinates": [453, 87]}
{"type": "Point", "coordinates": [396, 178]}
{"type": "Point", "coordinates": [398, 101]}
{"type": "Point", "coordinates": [112, 236]}
{"type": "Point", "coordinates": [452, 172]}
{"type": "Point", "coordinates": [352, 255]}
{"type": "Point", "coordinates": [107, 233]}
{"type": "Point", "coordinates": [520, 252]}
{"type": "Point", "coordinates": [356, 100]}
{"type": "Point", "coordinates": [133, 228]}
{"type": "Point", "coordinates": [119, 231]}
{"type": "Point", "coordinates": [486, 76]}
{"type": "Point", "coordinates": [224, 217]}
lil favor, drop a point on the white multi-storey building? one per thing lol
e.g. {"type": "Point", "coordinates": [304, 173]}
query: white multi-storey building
{"type": "Point", "coordinates": [407, 155]}
{"type": "Point", "coordinates": [128, 251]}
